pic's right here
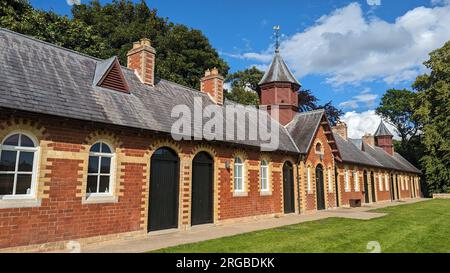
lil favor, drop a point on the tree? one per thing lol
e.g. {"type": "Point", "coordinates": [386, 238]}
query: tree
{"type": "Point", "coordinates": [397, 108]}
{"type": "Point", "coordinates": [333, 114]}
{"type": "Point", "coordinates": [19, 16]}
{"type": "Point", "coordinates": [432, 109]}
{"type": "Point", "coordinates": [244, 86]}
{"type": "Point", "coordinates": [308, 102]}
{"type": "Point", "coordinates": [183, 54]}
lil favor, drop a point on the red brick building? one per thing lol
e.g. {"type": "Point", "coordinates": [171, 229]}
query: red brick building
{"type": "Point", "coordinates": [87, 151]}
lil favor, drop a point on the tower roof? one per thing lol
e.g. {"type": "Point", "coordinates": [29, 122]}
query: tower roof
{"type": "Point", "coordinates": [383, 130]}
{"type": "Point", "coordinates": [278, 72]}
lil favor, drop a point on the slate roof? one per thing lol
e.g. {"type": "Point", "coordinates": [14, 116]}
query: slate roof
{"type": "Point", "coordinates": [39, 77]}
{"type": "Point", "coordinates": [406, 163]}
{"type": "Point", "coordinates": [303, 127]}
{"type": "Point", "coordinates": [278, 72]}
{"type": "Point", "coordinates": [383, 130]}
{"type": "Point", "coordinates": [395, 162]}
{"type": "Point", "coordinates": [43, 78]}
{"type": "Point", "coordinates": [352, 154]}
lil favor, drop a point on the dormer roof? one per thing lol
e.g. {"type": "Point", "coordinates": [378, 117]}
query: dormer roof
{"type": "Point", "coordinates": [109, 75]}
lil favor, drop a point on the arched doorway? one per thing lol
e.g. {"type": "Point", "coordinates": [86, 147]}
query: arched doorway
{"type": "Point", "coordinates": [392, 188]}
{"type": "Point", "coordinates": [372, 183]}
{"type": "Point", "coordinates": [202, 189]}
{"type": "Point", "coordinates": [320, 192]}
{"type": "Point", "coordinates": [396, 188]}
{"type": "Point", "coordinates": [411, 187]}
{"type": "Point", "coordinates": [288, 188]}
{"type": "Point", "coordinates": [164, 189]}
{"type": "Point", "coordinates": [366, 188]}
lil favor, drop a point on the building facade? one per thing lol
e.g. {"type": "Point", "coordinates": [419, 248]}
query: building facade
{"type": "Point", "coordinates": [87, 151]}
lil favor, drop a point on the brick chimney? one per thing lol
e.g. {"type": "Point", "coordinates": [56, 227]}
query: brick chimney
{"type": "Point", "coordinates": [212, 83]}
{"type": "Point", "coordinates": [369, 139]}
{"type": "Point", "coordinates": [141, 58]}
{"type": "Point", "coordinates": [341, 129]}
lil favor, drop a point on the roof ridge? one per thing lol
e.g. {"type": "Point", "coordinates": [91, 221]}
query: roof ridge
{"type": "Point", "coordinates": [312, 112]}
{"type": "Point", "coordinates": [50, 44]}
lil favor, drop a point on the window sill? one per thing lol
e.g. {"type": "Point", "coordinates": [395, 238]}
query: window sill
{"type": "Point", "coordinates": [240, 194]}
{"type": "Point", "coordinates": [265, 193]}
{"type": "Point", "coordinates": [99, 199]}
{"type": "Point", "coordinates": [12, 203]}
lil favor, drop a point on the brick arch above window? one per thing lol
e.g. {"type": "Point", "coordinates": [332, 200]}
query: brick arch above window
{"type": "Point", "coordinates": [110, 138]}
{"type": "Point", "coordinates": [33, 128]}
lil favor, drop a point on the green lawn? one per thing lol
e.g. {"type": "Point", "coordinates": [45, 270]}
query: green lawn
{"type": "Point", "coordinates": [420, 227]}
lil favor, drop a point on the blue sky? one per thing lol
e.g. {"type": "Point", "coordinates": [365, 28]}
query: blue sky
{"type": "Point", "coordinates": [349, 52]}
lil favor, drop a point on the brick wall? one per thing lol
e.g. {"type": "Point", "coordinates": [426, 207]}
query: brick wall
{"type": "Point", "coordinates": [65, 214]}
{"type": "Point", "coordinates": [313, 159]}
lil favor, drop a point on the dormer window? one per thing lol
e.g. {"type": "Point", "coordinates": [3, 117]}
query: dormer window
{"type": "Point", "coordinates": [109, 75]}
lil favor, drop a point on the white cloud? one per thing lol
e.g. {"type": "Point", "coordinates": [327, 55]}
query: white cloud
{"type": "Point", "coordinates": [365, 97]}
{"type": "Point", "coordinates": [349, 47]}
{"type": "Point", "coordinates": [365, 122]}
{"type": "Point", "coordinates": [440, 2]}
{"type": "Point", "coordinates": [73, 2]}
{"type": "Point", "coordinates": [374, 2]}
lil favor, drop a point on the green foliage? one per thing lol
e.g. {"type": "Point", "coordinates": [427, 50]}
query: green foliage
{"type": "Point", "coordinates": [244, 86]}
{"type": "Point", "coordinates": [415, 228]}
{"type": "Point", "coordinates": [19, 16]}
{"type": "Point", "coordinates": [432, 109]}
{"type": "Point", "coordinates": [397, 107]}
{"type": "Point", "coordinates": [248, 78]}
{"type": "Point", "coordinates": [183, 54]}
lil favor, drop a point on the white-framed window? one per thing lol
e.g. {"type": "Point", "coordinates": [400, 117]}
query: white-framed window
{"type": "Point", "coordinates": [407, 183]}
{"type": "Point", "coordinates": [330, 180]}
{"type": "Point", "coordinates": [308, 179]}
{"type": "Point", "coordinates": [347, 181]}
{"type": "Point", "coordinates": [18, 166]}
{"type": "Point", "coordinates": [386, 181]}
{"type": "Point", "coordinates": [100, 169]}
{"type": "Point", "coordinates": [264, 176]}
{"type": "Point", "coordinates": [238, 175]}
{"type": "Point", "coordinates": [356, 180]}
{"type": "Point", "coordinates": [380, 181]}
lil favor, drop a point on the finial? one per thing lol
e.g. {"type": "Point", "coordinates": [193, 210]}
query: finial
{"type": "Point", "coordinates": [277, 38]}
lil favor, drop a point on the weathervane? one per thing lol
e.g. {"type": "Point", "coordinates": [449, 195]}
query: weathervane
{"type": "Point", "coordinates": [277, 38]}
